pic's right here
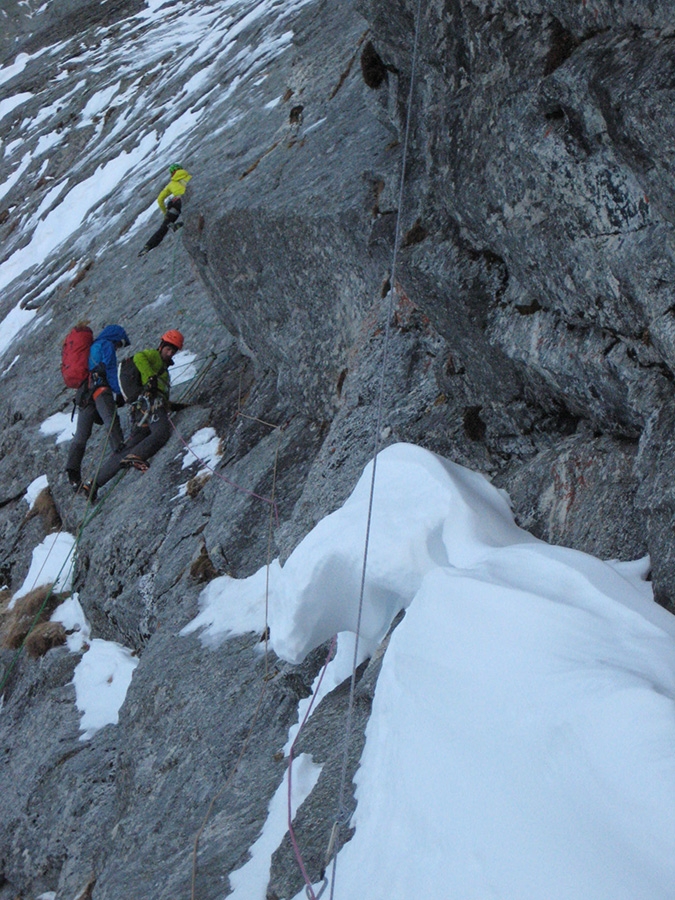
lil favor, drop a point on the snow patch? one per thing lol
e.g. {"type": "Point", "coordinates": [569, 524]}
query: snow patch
{"type": "Point", "coordinates": [14, 68]}
{"type": "Point", "coordinates": [11, 103]}
{"type": "Point", "coordinates": [183, 368]}
{"type": "Point", "coordinates": [203, 448]}
{"type": "Point", "coordinates": [71, 615]}
{"type": "Point", "coordinates": [250, 881]}
{"type": "Point", "coordinates": [52, 562]}
{"type": "Point", "coordinates": [13, 323]}
{"type": "Point", "coordinates": [34, 489]}
{"type": "Point", "coordinates": [59, 424]}
{"type": "Point", "coordinates": [11, 365]}
{"type": "Point", "coordinates": [101, 679]}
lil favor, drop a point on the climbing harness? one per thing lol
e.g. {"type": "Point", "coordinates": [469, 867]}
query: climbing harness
{"type": "Point", "coordinates": [140, 410]}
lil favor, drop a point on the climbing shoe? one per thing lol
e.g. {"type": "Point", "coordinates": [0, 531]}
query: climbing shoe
{"type": "Point", "coordinates": [90, 491]}
{"type": "Point", "coordinates": [131, 461]}
{"type": "Point", "coordinates": [176, 225]}
{"type": "Point", "coordinates": [144, 251]}
{"type": "Point", "coordinates": [74, 479]}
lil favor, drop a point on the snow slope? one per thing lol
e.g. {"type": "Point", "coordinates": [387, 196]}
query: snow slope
{"type": "Point", "coordinates": [522, 738]}
{"type": "Point", "coordinates": [133, 113]}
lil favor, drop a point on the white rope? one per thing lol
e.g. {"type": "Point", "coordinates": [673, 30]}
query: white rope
{"type": "Point", "coordinates": [342, 817]}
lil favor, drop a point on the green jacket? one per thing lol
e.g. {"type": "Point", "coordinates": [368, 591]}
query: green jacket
{"type": "Point", "coordinates": [149, 363]}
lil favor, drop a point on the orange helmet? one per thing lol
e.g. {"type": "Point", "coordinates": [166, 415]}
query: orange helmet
{"type": "Point", "coordinates": [173, 337]}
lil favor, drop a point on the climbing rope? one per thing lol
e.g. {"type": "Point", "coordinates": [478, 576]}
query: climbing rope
{"type": "Point", "coordinates": [85, 520]}
{"type": "Point", "coordinates": [198, 379]}
{"type": "Point", "coordinates": [340, 815]}
{"type": "Point", "coordinates": [223, 478]}
{"type": "Point", "coordinates": [309, 888]}
{"type": "Point", "coordinates": [173, 266]}
{"type": "Point", "coordinates": [273, 509]}
{"type": "Point", "coordinates": [267, 677]}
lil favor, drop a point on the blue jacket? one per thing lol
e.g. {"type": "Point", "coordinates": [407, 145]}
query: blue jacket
{"type": "Point", "coordinates": [103, 359]}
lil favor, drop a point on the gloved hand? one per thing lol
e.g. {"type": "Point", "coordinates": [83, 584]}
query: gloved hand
{"type": "Point", "coordinates": [119, 401]}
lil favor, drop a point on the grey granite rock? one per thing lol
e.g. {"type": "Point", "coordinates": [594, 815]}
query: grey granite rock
{"type": "Point", "coordinates": [530, 335]}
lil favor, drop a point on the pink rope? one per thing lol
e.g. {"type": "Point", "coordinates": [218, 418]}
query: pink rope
{"type": "Point", "coordinates": [272, 503]}
{"type": "Point", "coordinates": [291, 832]}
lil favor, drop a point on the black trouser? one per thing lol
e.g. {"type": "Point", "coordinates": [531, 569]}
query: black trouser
{"type": "Point", "coordinates": [144, 441]}
{"type": "Point", "coordinates": [102, 411]}
{"type": "Point", "coordinates": [173, 208]}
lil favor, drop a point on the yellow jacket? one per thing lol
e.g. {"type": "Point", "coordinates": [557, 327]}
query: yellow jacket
{"type": "Point", "coordinates": [175, 188]}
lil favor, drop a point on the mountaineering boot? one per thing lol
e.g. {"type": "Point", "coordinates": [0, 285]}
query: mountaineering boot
{"type": "Point", "coordinates": [133, 461]}
{"type": "Point", "coordinates": [74, 479]}
{"type": "Point", "coordinates": [90, 491]}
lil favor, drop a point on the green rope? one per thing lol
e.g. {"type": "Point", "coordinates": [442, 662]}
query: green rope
{"type": "Point", "coordinates": [35, 621]}
{"type": "Point", "coordinates": [73, 550]}
{"type": "Point", "coordinates": [86, 519]}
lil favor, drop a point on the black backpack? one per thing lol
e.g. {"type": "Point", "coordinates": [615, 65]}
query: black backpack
{"type": "Point", "coordinates": [130, 380]}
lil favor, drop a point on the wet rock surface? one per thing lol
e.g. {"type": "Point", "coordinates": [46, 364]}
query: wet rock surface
{"type": "Point", "coordinates": [531, 336]}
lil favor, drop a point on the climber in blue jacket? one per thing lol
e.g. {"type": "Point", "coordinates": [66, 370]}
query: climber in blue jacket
{"type": "Point", "coordinates": [100, 401]}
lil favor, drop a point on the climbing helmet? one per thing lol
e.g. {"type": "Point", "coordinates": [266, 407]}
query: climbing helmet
{"type": "Point", "coordinates": [173, 337]}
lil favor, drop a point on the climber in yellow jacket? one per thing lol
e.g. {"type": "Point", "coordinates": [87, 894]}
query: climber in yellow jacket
{"type": "Point", "coordinates": [170, 202]}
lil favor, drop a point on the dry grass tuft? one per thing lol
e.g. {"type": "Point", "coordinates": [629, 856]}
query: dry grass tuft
{"type": "Point", "coordinates": [43, 637]}
{"type": "Point", "coordinates": [5, 597]}
{"type": "Point", "coordinates": [202, 569]}
{"type": "Point", "coordinates": [17, 622]}
{"type": "Point", "coordinates": [194, 485]}
{"type": "Point", "coordinates": [45, 508]}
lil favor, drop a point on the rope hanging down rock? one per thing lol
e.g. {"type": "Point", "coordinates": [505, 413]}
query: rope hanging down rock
{"type": "Point", "coordinates": [267, 677]}
{"type": "Point", "coordinates": [338, 822]}
{"type": "Point", "coordinates": [342, 816]}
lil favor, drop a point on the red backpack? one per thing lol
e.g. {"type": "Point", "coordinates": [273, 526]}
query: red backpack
{"type": "Point", "coordinates": [75, 355]}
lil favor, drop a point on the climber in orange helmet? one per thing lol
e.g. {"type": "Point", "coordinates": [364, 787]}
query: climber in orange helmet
{"type": "Point", "coordinates": [150, 427]}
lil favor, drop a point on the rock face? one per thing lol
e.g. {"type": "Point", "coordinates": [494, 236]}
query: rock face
{"type": "Point", "coordinates": [530, 334]}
